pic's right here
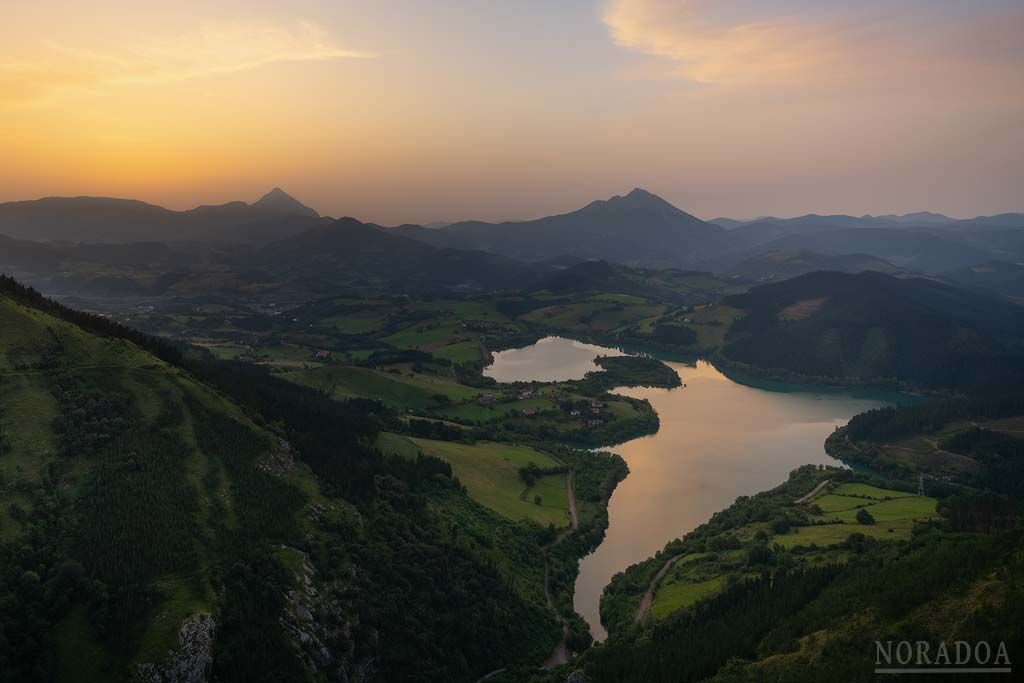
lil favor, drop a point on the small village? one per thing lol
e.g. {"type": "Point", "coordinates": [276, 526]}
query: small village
{"type": "Point", "coordinates": [592, 411]}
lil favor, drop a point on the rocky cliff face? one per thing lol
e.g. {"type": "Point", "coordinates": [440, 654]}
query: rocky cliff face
{"type": "Point", "coordinates": [190, 663]}
{"type": "Point", "coordinates": [321, 630]}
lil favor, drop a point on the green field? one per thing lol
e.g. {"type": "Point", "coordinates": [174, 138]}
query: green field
{"type": "Point", "coordinates": [226, 351]}
{"type": "Point", "coordinates": [420, 335]}
{"type": "Point", "coordinates": [478, 413]}
{"type": "Point", "coordinates": [460, 352]}
{"type": "Point", "coordinates": [711, 324]}
{"type": "Point", "coordinates": [910, 508]}
{"type": "Point", "coordinates": [601, 313]}
{"type": "Point", "coordinates": [868, 491]}
{"type": "Point", "coordinates": [832, 502]}
{"type": "Point", "coordinates": [360, 322]}
{"type": "Point", "coordinates": [676, 595]}
{"type": "Point", "coordinates": [490, 472]}
{"type": "Point", "coordinates": [895, 513]}
{"type": "Point", "coordinates": [831, 534]}
{"type": "Point", "coordinates": [396, 444]}
{"type": "Point", "coordinates": [463, 309]}
{"type": "Point", "coordinates": [402, 389]}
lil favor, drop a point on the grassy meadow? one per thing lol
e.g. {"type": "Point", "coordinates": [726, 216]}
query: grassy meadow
{"type": "Point", "coordinates": [490, 472]}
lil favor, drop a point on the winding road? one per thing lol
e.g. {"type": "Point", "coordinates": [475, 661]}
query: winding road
{"type": "Point", "coordinates": [560, 655]}
{"type": "Point", "coordinates": [645, 602]}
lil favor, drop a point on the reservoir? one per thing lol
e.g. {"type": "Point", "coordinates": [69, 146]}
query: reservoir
{"type": "Point", "coordinates": [552, 359]}
{"type": "Point", "coordinates": [718, 440]}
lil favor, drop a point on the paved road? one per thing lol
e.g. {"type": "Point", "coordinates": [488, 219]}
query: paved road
{"type": "Point", "coordinates": [645, 602]}
{"type": "Point", "coordinates": [813, 493]}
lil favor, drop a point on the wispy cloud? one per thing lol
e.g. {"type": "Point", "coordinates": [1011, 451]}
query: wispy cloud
{"type": "Point", "coordinates": [736, 42]}
{"type": "Point", "coordinates": [211, 50]}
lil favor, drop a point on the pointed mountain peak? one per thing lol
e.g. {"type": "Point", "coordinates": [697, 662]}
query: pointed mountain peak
{"type": "Point", "coordinates": [276, 194]}
{"type": "Point", "coordinates": [279, 201]}
{"type": "Point", "coordinates": [642, 198]}
{"type": "Point", "coordinates": [641, 193]}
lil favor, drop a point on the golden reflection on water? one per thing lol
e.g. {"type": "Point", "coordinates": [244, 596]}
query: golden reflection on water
{"type": "Point", "coordinates": [718, 440]}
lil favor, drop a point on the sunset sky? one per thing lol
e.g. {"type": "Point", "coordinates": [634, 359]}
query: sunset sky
{"type": "Point", "coordinates": [413, 111]}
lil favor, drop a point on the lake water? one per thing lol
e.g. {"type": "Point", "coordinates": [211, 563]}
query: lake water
{"type": "Point", "coordinates": [552, 359]}
{"type": "Point", "coordinates": [718, 440]}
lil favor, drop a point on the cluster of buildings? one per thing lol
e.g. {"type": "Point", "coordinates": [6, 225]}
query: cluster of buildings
{"type": "Point", "coordinates": [488, 399]}
{"type": "Point", "coordinates": [592, 413]}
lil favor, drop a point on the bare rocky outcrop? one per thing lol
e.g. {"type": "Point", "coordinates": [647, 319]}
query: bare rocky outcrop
{"type": "Point", "coordinates": [280, 460]}
{"type": "Point", "coordinates": [321, 631]}
{"type": "Point", "coordinates": [191, 662]}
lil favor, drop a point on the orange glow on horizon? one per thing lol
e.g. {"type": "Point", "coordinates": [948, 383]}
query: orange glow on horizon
{"type": "Point", "coordinates": [444, 113]}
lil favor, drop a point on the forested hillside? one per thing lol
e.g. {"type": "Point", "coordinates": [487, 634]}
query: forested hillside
{"type": "Point", "coordinates": [160, 514]}
{"type": "Point", "coordinates": [875, 328]}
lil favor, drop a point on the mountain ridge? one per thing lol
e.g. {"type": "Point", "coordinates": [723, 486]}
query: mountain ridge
{"type": "Point", "coordinates": [112, 219]}
{"type": "Point", "coordinates": [636, 228]}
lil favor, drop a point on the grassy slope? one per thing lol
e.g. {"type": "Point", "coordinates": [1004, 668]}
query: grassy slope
{"type": "Point", "coordinates": [490, 472]}
{"type": "Point", "coordinates": [401, 389]}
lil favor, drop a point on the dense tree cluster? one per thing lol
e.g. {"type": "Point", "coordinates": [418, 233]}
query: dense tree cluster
{"type": "Point", "coordinates": [693, 644]}
{"type": "Point", "coordinates": [674, 335]}
{"type": "Point", "coordinates": [891, 423]}
{"type": "Point", "coordinates": [90, 416]}
{"type": "Point", "coordinates": [434, 429]}
{"type": "Point", "coordinates": [627, 371]}
{"type": "Point", "coordinates": [999, 456]}
{"type": "Point", "coordinates": [532, 472]}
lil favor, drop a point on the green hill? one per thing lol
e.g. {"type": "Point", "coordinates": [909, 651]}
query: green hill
{"type": "Point", "coordinates": [873, 327]}
{"type": "Point", "coordinates": [162, 513]}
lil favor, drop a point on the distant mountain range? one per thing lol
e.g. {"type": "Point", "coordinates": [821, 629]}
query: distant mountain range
{"type": "Point", "coordinates": [638, 229]}
{"type": "Point", "coordinates": [332, 256]}
{"type": "Point", "coordinates": [364, 256]}
{"type": "Point", "coordinates": [911, 250]}
{"type": "Point", "coordinates": [102, 219]}
{"type": "Point", "coordinates": [642, 229]}
{"type": "Point", "coordinates": [783, 264]}
{"type": "Point", "coordinates": [917, 218]}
